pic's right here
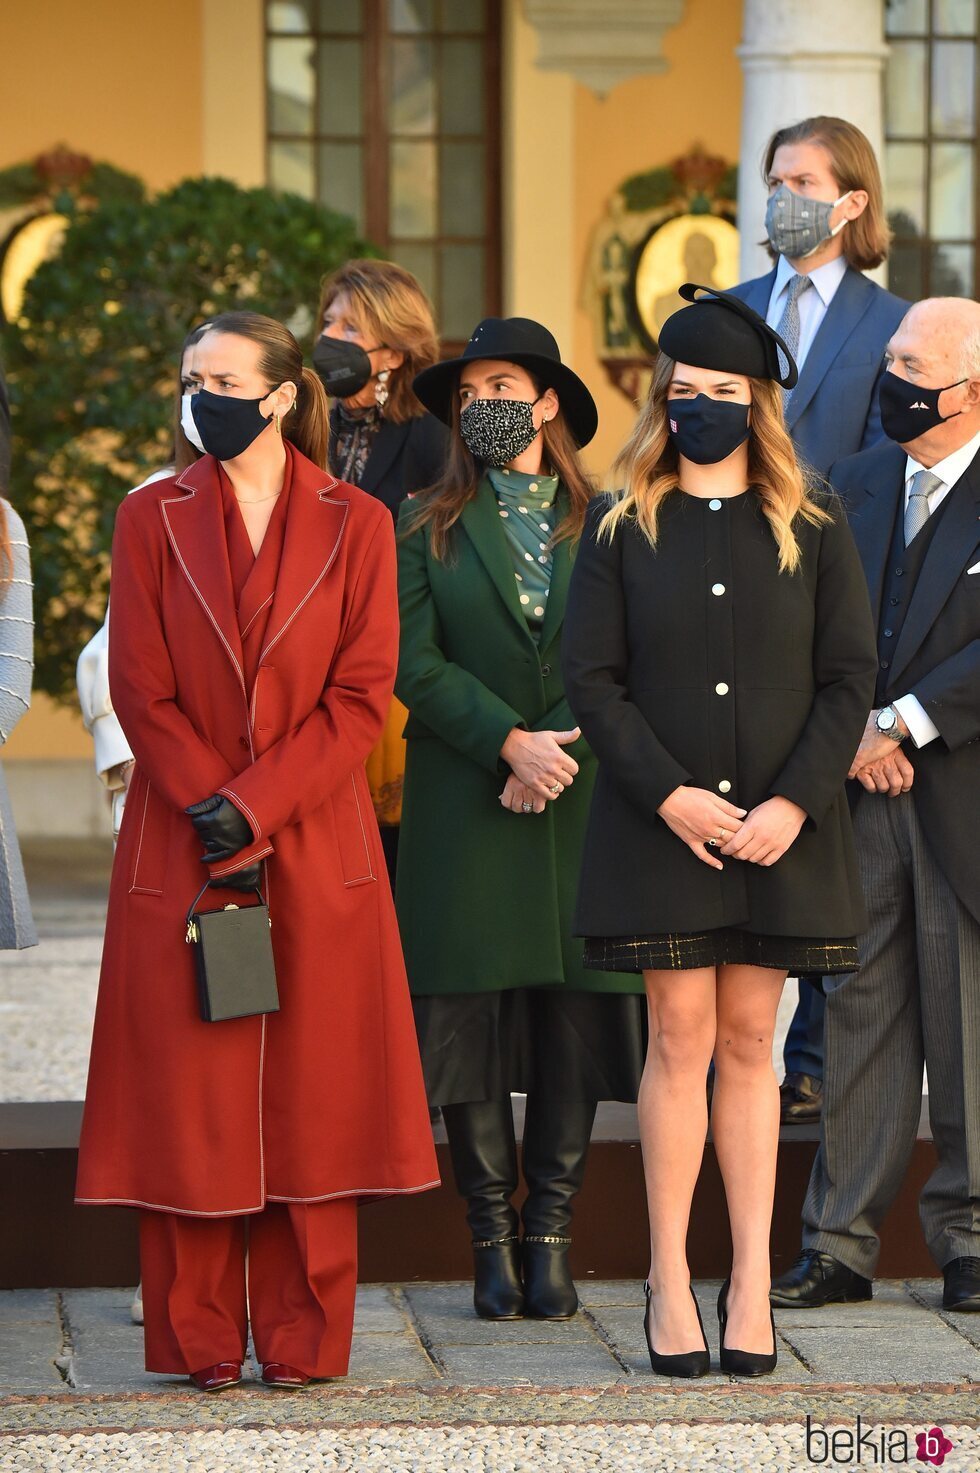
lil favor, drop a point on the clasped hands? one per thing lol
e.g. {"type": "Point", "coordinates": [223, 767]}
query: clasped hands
{"type": "Point", "coordinates": [880, 765]}
{"type": "Point", "coordinates": [224, 832]}
{"type": "Point", "coordinates": [760, 836]}
{"type": "Point", "coordinates": [540, 768]}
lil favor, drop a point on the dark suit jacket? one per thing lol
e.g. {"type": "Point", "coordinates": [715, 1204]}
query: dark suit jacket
{"type": "Point", "coordinates": [755, 684]}
{"type": "Point", "coordinates": [4, 440]}
{"type": "Point", "coordinates": [405, 458]}
{"type": "Point", "coordinates": [833, 410]}
{"type": "Point", "coordinates": [937, 657]}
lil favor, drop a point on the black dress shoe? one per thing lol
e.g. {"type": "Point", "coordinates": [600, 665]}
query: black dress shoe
{"type": "Point", "coordinates": [800, 1099]}
{"type": "Point", "coordinates": [961, 1285]}
{"type": "Point", "coordinates": [498, 1293]}
{"type": "Point", "coordinates": [742, 1362]}
{"type": "Point", "coordinates": [816, 1279]}
{"type": "Point", "coordinates": [688, 1363]}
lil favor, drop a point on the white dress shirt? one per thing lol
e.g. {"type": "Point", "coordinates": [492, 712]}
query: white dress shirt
{"type": "Point", "coordinates": [813, 303]}
{"type": "Point", "coordinates": [922, 728]}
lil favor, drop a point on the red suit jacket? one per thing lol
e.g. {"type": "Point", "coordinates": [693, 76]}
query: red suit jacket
{"type": "Point", "coordinates": [324, 1098]}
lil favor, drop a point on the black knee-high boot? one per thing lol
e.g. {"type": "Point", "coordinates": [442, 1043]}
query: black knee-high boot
{"type": "Point", "coordinates": [484, 1156]}
{"type": "Point", "coordinates": [556, 1142]}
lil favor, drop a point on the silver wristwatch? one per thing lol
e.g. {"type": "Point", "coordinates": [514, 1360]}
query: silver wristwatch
{"type": "Point", "coordinates": [887, 723]}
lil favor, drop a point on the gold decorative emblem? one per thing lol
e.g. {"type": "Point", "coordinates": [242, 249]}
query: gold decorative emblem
{"type": "Point", "coordinates": [661, 228]}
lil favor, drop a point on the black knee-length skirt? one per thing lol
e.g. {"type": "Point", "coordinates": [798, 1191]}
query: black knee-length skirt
{"type": "Point", "coordinates": [549, 1041]}
{"type": "Point", "coordinates": [729, 945]}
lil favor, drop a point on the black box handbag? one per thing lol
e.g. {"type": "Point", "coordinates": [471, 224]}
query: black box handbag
{"type": "Point", "coordinates": [236, 971]}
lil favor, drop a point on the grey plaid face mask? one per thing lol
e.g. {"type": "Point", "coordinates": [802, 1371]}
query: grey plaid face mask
{"type": "Point", "coordinates": [496, 431]}
{"type": "Point", "coordinates": [797, 225]}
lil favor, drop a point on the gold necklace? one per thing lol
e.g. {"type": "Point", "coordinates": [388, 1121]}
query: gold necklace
{"type": "Point", "coordinates": [258, 499]}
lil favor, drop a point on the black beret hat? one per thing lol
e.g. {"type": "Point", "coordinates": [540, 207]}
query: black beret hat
{"type": "Point", "coordinates": [720, 331]}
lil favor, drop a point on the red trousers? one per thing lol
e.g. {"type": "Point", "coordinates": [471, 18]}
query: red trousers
{"type": "Point", "coordinates": [301, 1268]}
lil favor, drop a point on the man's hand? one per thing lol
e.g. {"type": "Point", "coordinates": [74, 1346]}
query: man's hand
{"type": "Point", "coordinates": [767, 832]}
{"type": "Point", "coordinates": [892, 774]}
{"type": "Point", "coordinates": [515, 795]}
{"type": "Point", "coordinates": [874, 746]}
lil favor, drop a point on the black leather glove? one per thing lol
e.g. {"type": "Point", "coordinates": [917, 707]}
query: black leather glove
{"type": "Point", "coordinates": [243, 879]}
{"type": "Point", "coordinates": [220, 827]}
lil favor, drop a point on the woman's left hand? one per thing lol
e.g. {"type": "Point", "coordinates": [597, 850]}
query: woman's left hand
{"type": "Point", "coordinates": [516, 795]}
{"type": "Point", "coordinates": [766, 832]}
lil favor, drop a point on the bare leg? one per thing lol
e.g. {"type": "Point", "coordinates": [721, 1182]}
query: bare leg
{"type": "Point", "coordinates": [673, 1114]}
{"type": "Point", "coordinates": [745, 1126]}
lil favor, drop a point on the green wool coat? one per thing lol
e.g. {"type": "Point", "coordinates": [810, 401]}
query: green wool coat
{"type": "Point", "coordinates": [485, 897]}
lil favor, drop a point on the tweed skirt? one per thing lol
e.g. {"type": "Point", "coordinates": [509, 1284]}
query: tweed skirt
{"type": "Point", "coordinates": [684, 950]}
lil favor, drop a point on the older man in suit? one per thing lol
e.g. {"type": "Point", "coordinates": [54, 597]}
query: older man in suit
{"type": "Point", "coordinates": [826, 226]}
{"type": "Point", "coordinates": [914, 507]}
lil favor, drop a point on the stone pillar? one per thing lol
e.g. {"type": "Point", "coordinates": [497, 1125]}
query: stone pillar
{"type": "Point", "coordinates": [802, 57]}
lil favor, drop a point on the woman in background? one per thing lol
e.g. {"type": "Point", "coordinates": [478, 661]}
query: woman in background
{"type": "Point", "coordinates": [377, 333]}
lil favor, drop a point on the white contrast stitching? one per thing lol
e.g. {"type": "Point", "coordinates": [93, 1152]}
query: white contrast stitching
{"type": "Point", "coordinates": [240, 803]}
{"type": "Point", "coordinates": [316, 582]}
{"type": "Point", "coordinates": [359, 879]}
{"type": "Point", "coordinates": [234, 869]}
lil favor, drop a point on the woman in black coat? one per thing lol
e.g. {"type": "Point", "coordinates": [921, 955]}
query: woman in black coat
{"type": "Point", "coordinates": [376, 333]}
{"type": "Point", "coordinates": [720, 659]}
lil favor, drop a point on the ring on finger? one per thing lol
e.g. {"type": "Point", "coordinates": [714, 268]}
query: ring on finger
{"type": "Point", "coordinates": [527, 807]}
{"type": "Point", "coordinates": [556, 789]}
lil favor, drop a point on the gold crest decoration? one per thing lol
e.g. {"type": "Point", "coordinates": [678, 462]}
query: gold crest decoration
{"type": "Point", "coordinates": [661, 228]}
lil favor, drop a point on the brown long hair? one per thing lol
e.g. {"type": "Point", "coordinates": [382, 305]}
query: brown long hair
{"type": "Point", "coordinates": [308, 424]}
{"type": "Point", "coordinates": [648, 464]}
{"type": "Point", "coordinates": [854, 166]}
{"type": "Point", "coordinates": [440, 506]}
{"type": "Point", "coordinates": [389, 307]}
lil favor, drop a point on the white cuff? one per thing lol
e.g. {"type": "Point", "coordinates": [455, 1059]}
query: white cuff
{"type": "Point", "coordinates": [922, 728]}
{"type": "Point", "coordinates": [111, 747]}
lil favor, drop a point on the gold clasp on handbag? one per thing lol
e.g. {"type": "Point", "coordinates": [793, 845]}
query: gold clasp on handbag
{"type": "Point", "coordinates": [191, 933]}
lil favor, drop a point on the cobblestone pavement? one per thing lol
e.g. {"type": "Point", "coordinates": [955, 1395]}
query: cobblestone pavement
{"type": "Point", "coordinates": [433, 1388]}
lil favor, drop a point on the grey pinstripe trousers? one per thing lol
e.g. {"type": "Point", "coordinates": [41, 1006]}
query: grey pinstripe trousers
{"type": "Point", "coordinates": [916, 999]}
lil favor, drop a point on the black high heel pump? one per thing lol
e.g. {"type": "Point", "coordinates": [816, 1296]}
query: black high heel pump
{"type": "Point", "coordinates": [689, 1364]}
{"type": "Point", "coordinates": [743, 1362]}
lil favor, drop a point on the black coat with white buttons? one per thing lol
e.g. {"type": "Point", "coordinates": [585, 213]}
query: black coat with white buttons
{"type": "Point", "coordinates": [699, 662]}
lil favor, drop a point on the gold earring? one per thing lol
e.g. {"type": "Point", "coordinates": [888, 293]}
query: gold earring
{"type": "Point", "coordinates": [278, 423]}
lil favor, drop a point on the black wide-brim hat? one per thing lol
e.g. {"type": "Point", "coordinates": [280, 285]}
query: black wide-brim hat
{"type": "Point", "coordinates": [719, 331]}
{"type": "Point", "coordinates": [515, 340]}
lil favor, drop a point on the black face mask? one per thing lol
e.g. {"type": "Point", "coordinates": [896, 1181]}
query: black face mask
{"type": "Point", "coordinates": [908, 411]}
{"type": "Point", "coordinates": [344, 367]}
{"type": "Point", "coordinates": [227, 426]}
{"type": "Point", "coordinates": [707, 430]}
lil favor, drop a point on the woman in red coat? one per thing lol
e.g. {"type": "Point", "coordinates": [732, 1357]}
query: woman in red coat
{"type": "Point", "coordinates": [251, 662]}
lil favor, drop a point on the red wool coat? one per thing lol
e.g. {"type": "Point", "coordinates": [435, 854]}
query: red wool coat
{"type": "Point", "coordinates": [324, 1098]}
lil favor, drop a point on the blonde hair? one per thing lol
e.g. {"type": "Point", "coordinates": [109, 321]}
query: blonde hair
{"type": "Point", "coordinates": [854, 166]}
{"type": "Point", "coordinates": [648, 464]}
{"type": "Point", "coordinates": [389, 307]}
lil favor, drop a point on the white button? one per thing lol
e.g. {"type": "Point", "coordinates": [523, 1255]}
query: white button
{"type": "Point", "coordinates": [714, 504]}
{"type": "Point", "coordinates": [528, 558]}
{"type": "Point", "coordinates": [724, 786]}
{"type": "Point", "coordinates": [533, 486]}
{"type": "Point", "coordinates": [522, 509]}
{"type": "Point", "coordinates": [721, 689]}
{"type": "Point", "coordinates": [717, 589]}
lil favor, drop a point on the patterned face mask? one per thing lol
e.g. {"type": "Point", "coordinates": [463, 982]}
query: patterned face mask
{"type": "Point", "coordinates": [797, 225]}
{"type": "Point", "coordinates": [496, 431]}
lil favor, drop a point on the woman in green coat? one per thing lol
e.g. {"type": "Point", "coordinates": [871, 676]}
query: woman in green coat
{"type": "Point", "coordinates": [497, 791]}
